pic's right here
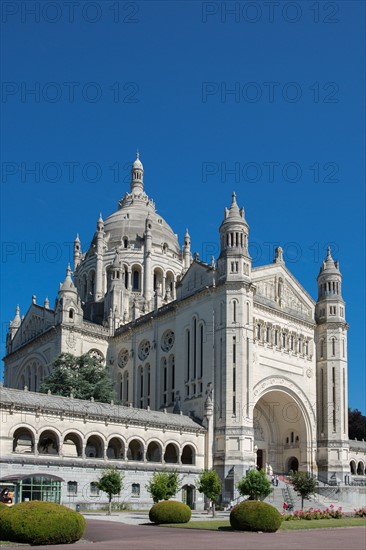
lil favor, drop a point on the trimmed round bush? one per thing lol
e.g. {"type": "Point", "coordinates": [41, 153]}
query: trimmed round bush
{"type": "Point", "coordinates": [255, 515]}
{"type": "Point", "coordinates": [38, 522]}
{"type": "Point", "coordinates": [170, 511]}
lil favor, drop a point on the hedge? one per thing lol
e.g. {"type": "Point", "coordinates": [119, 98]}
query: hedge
{"type": "Point", "coordinates": [38, 522]}
{"type": "Point", "coordinates": [170, 511]}
{"type": "Point", "coordinates": [255, 515]}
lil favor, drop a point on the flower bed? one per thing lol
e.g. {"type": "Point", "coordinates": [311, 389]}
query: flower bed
{"type": "Point", "coordinates": [315, 513]}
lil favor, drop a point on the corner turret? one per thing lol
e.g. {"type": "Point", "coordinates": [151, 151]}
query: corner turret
{"type": "Point", "coordinates": [234, 262]}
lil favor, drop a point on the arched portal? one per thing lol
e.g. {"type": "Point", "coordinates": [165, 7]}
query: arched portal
{"type": "Point", "coordinates": [282, 432]}
{"type": "Point", "coordinates": [292, 464]}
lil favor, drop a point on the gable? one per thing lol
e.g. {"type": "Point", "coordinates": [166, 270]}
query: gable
{"type": "Point", "coordinates": [198, 277]}
{"type": "Point", "coordinates": [278, 288]}
{"type": "Point", "coordinates": [36, 321]}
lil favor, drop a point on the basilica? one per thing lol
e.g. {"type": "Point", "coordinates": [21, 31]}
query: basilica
{"type": "Point", "coordinates": [251, 368]}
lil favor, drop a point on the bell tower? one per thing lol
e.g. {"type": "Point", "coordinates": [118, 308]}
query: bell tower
{"type": "Point", "coordinates": [234, 262]}
{"type": "Point", "coordinates": [332, 371]}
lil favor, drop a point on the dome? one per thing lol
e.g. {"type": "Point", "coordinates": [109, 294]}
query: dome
{"type": "Point", "coordinates": [137, 164]}
{"type": "Point", "coordinates": [234, 214]}
{"type": "Point", "coordinates": [129, 222]}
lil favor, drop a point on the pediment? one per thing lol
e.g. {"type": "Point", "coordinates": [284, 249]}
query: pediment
{"type": "Point", "coordinates": [277, 286]}
{"type": "Point", "coordinates": [36, 321]}
{"type": "Point", "coordinates": [198, 276]}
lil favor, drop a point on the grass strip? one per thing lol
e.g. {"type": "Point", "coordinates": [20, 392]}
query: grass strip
{"type": "Point", "coordinates": [224, 525]}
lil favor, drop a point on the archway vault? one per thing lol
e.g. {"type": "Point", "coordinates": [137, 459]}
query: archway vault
{"type": "Point", "coordinates": [284, 425]}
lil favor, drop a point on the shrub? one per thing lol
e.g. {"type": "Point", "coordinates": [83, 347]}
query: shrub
{"type": "Point", "coordinates": [254, 515]}
{"type": "Point", "coordinates": [360, 512]}
{"type": "Point", "coordinates": [3, 506]}
{"type": "Point", "coordinates": [170, 511]}
{"type": "Point", "coordinates": [41, 523]}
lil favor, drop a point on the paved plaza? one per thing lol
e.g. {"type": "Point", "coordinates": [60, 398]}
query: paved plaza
{"type": "Point", "coordinates": [105, 534]}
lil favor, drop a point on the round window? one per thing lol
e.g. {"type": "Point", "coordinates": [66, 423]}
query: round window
{"type": "Point", "coordinates": [167, 340]}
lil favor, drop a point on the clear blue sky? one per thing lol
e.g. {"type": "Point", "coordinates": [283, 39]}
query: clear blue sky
{"type": "Point", "coordinates": [273, 94]}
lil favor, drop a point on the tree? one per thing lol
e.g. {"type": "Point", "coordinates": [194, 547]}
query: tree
{"type": "Point", "coordinates": [210, 485]}
{"type": "Point", "coordinates": [356, 424]}
{"type": "Point", "coordinates": [111, 482]}
{"type": "Point", "coordinates": [304, 484]}
{"type": "Point", "coordinates": [255, 485]}
{"type": "Point", "coordinates": [163, 485]}
{"type": "Point", "coordinates": [83, 376]}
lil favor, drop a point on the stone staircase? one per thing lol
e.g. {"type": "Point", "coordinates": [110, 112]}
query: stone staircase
{"type": "Point", "coordinates": [284, 492]}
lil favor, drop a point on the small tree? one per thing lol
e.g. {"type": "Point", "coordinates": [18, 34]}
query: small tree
{"type": "Point", "coordinates": [163, 485]}
{"type": "Point", "coordinates": [255, 484]}
{"type": "Point", "coordinates": [111, 482]}
{"type": "Point", "coordinates": [84, 376]}
{"type": "Point", "coordinates": [304, 484]}
{"type": "Point", "coordinates": [210, 485]}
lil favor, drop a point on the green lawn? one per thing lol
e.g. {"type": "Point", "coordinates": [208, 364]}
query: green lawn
{"type": "Point", "coordinates": [224, 525]}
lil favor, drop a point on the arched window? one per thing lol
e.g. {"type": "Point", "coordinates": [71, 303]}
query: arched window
{"type": "Point", "coordinates": [353, 467]}
{"type": "Point", "coordinates": [115, 449]}
{"type": "Point", "coordinates": [125, 387]}
{"type": "Point", "coordinates": [141, 371]}
{"type": "Point", "coordinates": [135, 450]}
{"type": "Point", "coordinates": [71, 313]}
{"type": "Point", "coordinates": [72, 488]}
{"type": "Point", "coordinates": [248, 313]}
{"type": "Point", "coordinates": [72, 446]}
{"type": "Point", "coordinates": [135, 280]}
{"type": "Point", "coordinates": [153, 453]}
{"type": "Point", "coordinates": [188, 455]}
{"type": "Point", "coordinates": [94, 447]}
{"type": "Point", "coordinates": [234, 311]}
{"type": "Point", "coordinates": [333, 347]}
{"type": "Point", "coordinates": [48, 443]}
{"type": "Point", "coordinates": [171, 454]}
{"type": "Point", "coordinates": [23, 441]}
{"type": "Point", "coordinates": [321, 348]}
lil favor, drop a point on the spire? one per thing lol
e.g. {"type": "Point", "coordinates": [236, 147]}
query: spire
{"type": "Point", "coordinates": [234, 213]}
{"type": "Point", "coordinates": [329, 265]}
{"type": "Point", "coordinates": [137, 176]}
{"type": "Point", "coordinates": [16, 321]}
{"type": "Point", "coordinates": [186, 252]}
{"type": "Point", "coordinates": [100, 223]}
{"type": "Point", "coordinates": [67, 284]}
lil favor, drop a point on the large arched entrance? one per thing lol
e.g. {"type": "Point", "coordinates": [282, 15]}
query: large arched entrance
{"type": "Point", "coordinates": [281, 433]}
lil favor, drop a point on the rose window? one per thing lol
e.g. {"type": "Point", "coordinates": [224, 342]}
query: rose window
{"type": "Point", "coordinates": [144, 349]}
{"type": "Point", "coordinates": [123, 357]}
{"type": "Point", "coordinates": [167, 341]}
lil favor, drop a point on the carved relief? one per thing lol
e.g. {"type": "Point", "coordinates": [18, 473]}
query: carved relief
{"type": "Point", "coordinates": [285, 296]}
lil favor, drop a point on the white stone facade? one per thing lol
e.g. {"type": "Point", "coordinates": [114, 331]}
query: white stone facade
{"type": "Point", "coordinates": [44, 435]}
{"type": "Point", "coordinates": [176, 333]}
